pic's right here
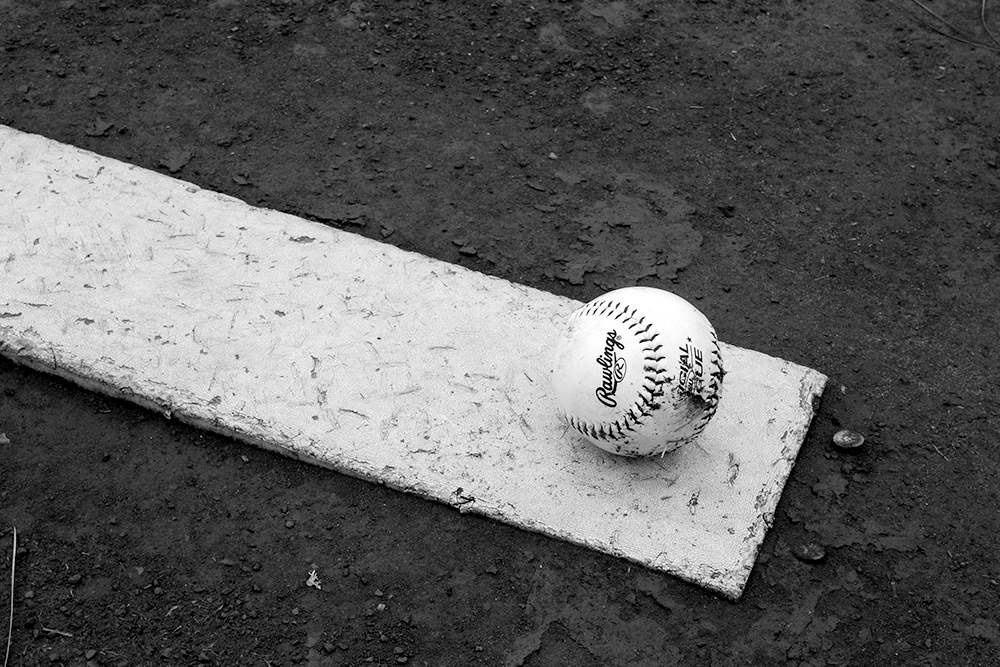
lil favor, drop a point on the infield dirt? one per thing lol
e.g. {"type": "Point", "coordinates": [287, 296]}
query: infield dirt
{"type": "Point", "coordinates": [819, 178]}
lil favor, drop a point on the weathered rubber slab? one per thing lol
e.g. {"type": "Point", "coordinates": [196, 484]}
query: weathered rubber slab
{"type": "Point", "coordinates": [376, 362]}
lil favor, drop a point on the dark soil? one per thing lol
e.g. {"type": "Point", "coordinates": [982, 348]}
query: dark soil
{"type": "Point", "coordinates": [819, 178]}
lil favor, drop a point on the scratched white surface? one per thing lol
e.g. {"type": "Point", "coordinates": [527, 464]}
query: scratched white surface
{"type": "Point", "coordinates": [373, 361]}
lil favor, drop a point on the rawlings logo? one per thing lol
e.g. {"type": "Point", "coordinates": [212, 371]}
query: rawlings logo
{"type": "Point", "coordinates": [613, 369]}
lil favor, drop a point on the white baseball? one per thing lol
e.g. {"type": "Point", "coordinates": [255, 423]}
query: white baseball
{"type": "Point", "coordinates": [638, 371]}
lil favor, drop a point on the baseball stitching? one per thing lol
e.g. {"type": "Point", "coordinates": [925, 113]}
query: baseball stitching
{"type": "Point", "coordinates": [653, 367]}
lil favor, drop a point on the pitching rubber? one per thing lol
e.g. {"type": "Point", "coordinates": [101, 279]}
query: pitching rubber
{"type": "Point", "coordinates": [366, 359]}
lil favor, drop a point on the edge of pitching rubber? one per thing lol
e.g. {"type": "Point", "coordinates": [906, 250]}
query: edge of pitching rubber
{"type": "Point", "coordinates": [117, 278]}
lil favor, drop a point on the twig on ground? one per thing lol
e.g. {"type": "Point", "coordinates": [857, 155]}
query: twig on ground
{"type": "Point", "coordinates": [955, 34]}
{"type": "Point", "coordinates": [10, 621]}
{"type": "Point", "coordinates": [986, 26]}
{"type": "Point", "coordinates": [50, 631]}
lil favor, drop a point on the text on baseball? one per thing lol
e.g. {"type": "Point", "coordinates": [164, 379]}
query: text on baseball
{"type": "Point", "coordinates": [612, 369]}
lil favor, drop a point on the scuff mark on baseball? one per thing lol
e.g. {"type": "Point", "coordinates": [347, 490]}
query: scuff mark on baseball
{"type": "Point", "coordinates": [638, 371]}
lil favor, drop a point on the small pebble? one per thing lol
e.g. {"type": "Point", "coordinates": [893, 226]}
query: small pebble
{"type": "Point", "coordinates": [810, 552]}
{"type": "Point", "coordinates": [848, 440]}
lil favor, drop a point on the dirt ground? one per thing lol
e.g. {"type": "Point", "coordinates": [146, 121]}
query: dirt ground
{"type": "Point", "coordinates": [819, 178]}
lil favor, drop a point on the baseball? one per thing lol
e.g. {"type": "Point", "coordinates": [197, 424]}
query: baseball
{"type": "Point", "coordinates": [638, 371]}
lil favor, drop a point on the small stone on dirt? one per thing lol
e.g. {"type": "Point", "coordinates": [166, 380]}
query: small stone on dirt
{"type": "Point", "coordinates": [848, 440]}
{"type": "Point", "coordinates": [810, 552]}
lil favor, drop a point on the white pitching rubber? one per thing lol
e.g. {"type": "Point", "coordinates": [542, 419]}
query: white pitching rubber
{"type": "Point", "coordinates": [369, 360]}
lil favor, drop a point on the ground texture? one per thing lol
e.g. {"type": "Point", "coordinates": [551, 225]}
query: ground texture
{"type": "Point", "coordinates": [820, 178]}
